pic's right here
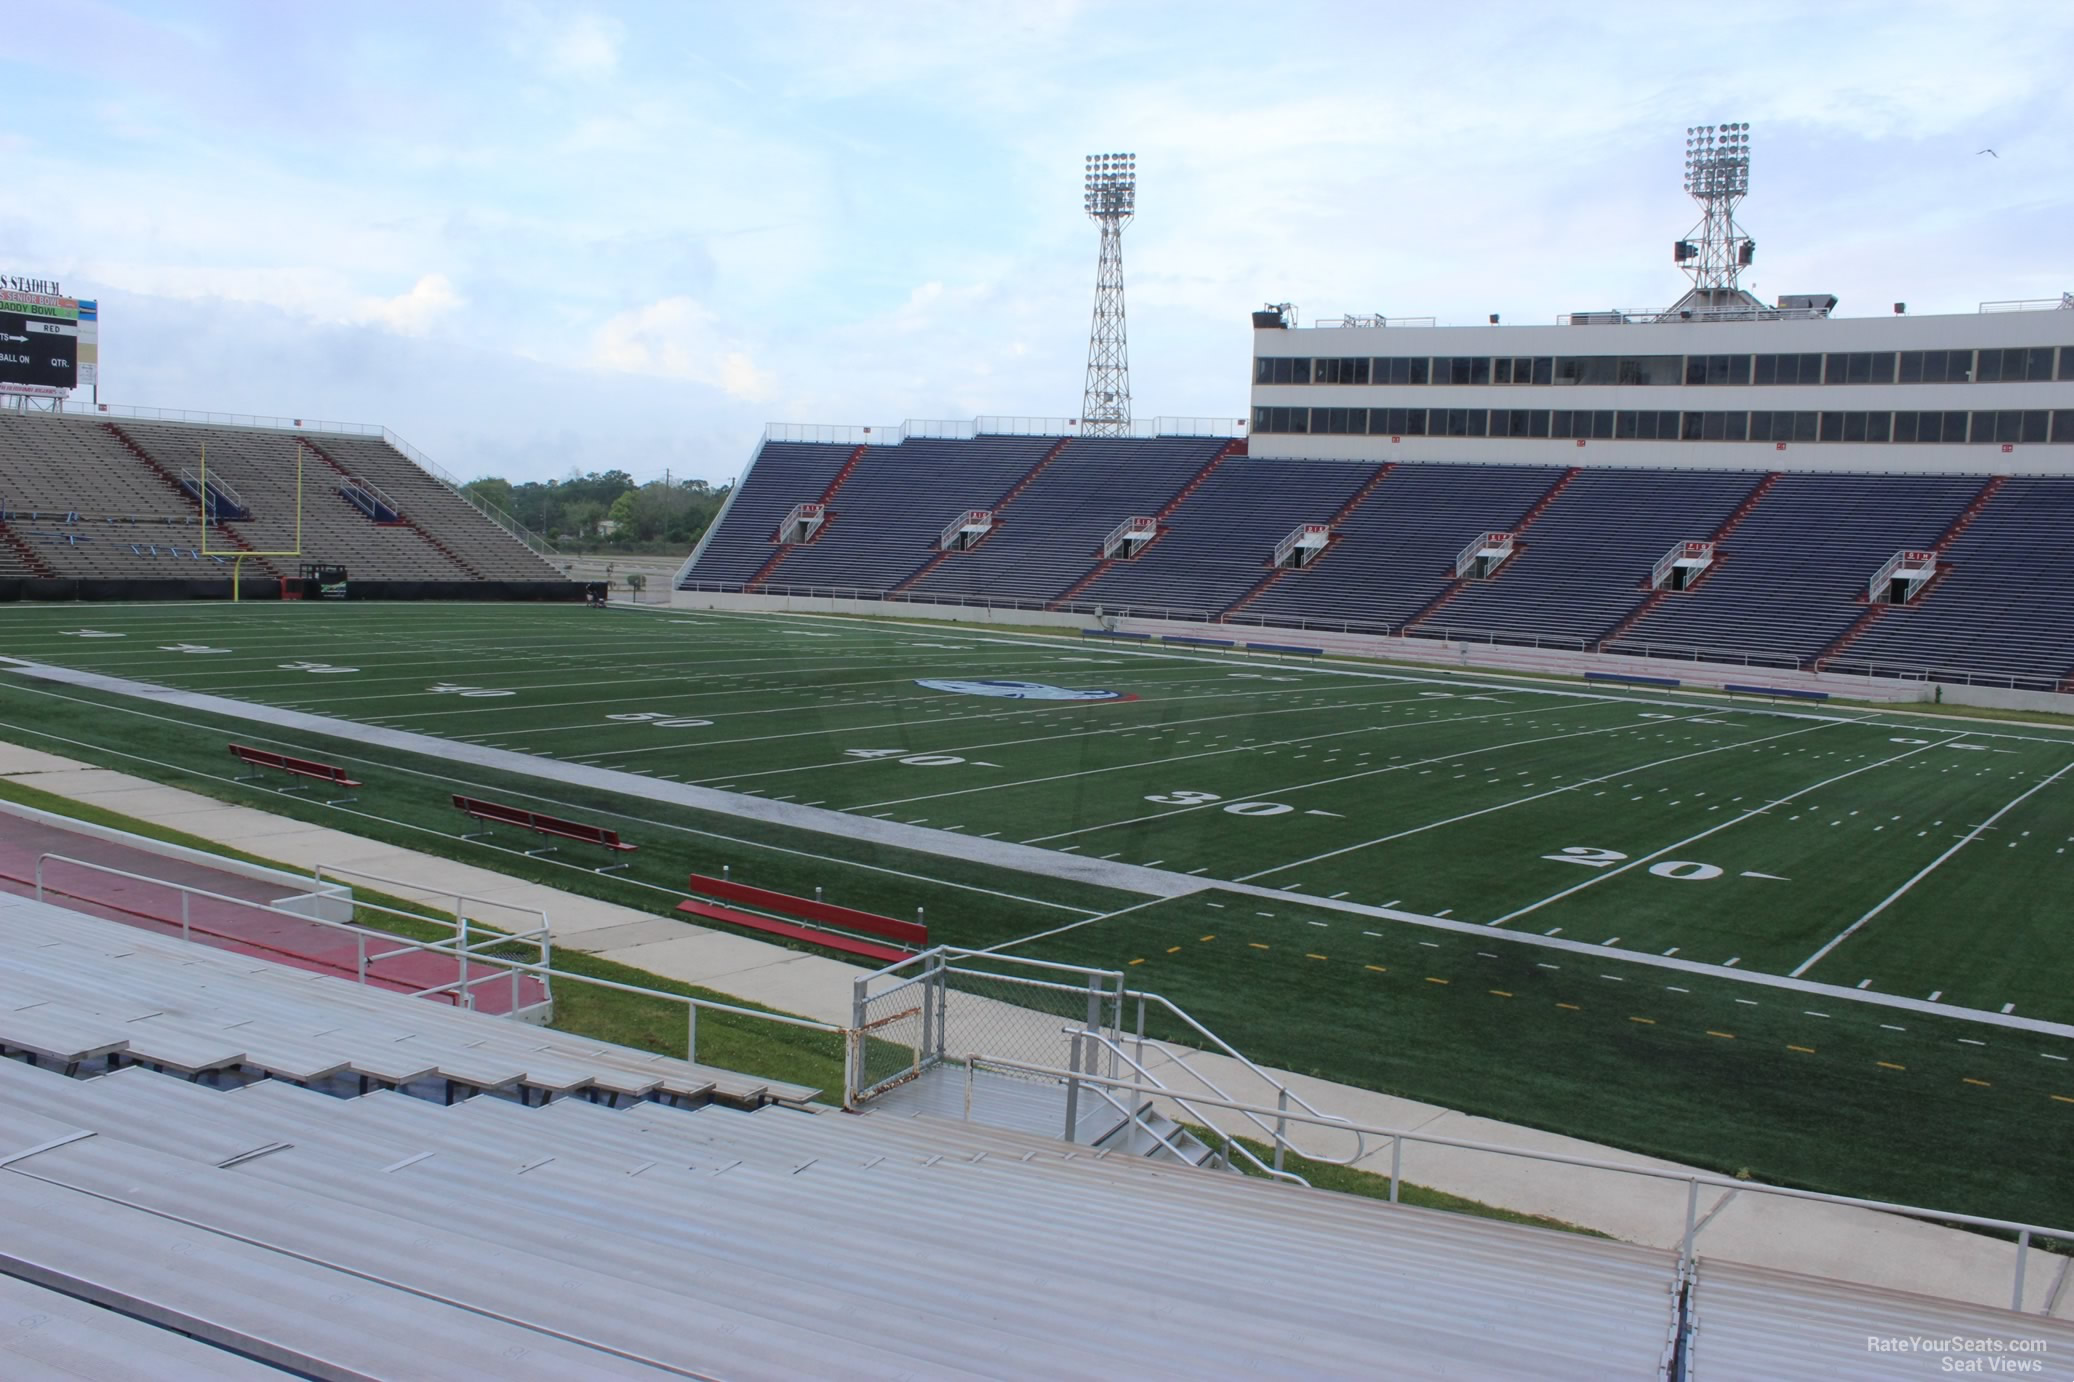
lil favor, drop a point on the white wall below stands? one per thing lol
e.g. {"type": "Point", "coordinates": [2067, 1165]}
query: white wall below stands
{"type": "Point", "coordinates": [1433, 652]}
{"type": "Point", "coordinates": [884, 609]}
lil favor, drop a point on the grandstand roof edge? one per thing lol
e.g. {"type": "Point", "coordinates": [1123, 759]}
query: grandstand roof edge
{"type": "Point", "coordinates": [991, 426]}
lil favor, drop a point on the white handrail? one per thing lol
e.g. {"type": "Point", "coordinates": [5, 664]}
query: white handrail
{"type": "Point", "coordinates": [1692, 1179]}
{"type": "Point", "coordinates": [1231, 1144]}
{"type": "Point", "coordinates": [461, 950]}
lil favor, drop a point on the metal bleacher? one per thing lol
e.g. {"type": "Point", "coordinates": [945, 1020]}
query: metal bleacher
{"type": "Point", "coordinates": [1051, 535]}
{"type": "Point", "coordinates": [390, 1235]}
{"type": "Point", "coordinates": [89, 506]}
{"type": "Point", "coordinates": [274, 1212]}
{"type": "Point", "coordinates": [890, 512]}
{"type": "Point", "coordinates": [1400, 545]}
{"type": "Point", "coordinates": [2000, 604]}
{"type": "Point", "coordinates": [1587, 560]}
{"type": "Point", "coordinates": [1793, 577]}
{"type": "Point", "coordinates": [1221, 540]}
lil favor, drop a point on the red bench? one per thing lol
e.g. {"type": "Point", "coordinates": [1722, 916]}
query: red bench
{"type": "Point", "coordinates": [518, 817]}
{"type": "Point", "coordinates": [299, 767]}
{"type": "Point", "coordinates": [813, 909]}
{"type": "Point", "coordinates": [833, 940]}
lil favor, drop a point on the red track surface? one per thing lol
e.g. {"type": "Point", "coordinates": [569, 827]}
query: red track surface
{"type": "Point", "coordinates": [224, 925]}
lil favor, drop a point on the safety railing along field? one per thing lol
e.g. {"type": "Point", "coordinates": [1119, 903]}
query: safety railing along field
{"type": "Point", "coordinates": [471, 946]}
{"type": "Point", "coordinates": [2023, 1233]}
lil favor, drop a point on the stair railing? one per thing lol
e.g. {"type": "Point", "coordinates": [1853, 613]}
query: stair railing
{"type": "Point", "coordinates": [1284, 1095]}
{"type": "Point", "coordinates": [1232, 1146]}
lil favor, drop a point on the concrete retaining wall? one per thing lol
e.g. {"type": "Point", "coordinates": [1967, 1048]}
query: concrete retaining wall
{"type": "Point", "coordinates": [1435, 652]}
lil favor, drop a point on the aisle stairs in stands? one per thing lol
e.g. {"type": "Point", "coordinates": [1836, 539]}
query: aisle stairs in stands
{"type": "Point", "coordinates": [24, 554]}
{"type": "Point", "coordinates": [172, 483]}
{"type": "Point", "coordinates": [763, 573]}
{"type": "Point", "coordinates": [1525, 521]}
{"type": "Point", "coordinates": [1236, 447]}
{"type": "Point", "coordinates": [1875, 610]}
{"type": "Point", "coordinates": [1345, 512]}
{"type": "Point", "coordinates": [402, 519]}
{"type": "Point", "coordinates": [1717, 537]}
{"type": "Point", "coordinates": [1028, 477]}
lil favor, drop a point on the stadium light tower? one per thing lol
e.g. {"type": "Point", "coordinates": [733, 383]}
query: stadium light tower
{"type": "Point", "coordinates": [1112, 199]}
{"type": "Point", "coordinates": [1717, 176]}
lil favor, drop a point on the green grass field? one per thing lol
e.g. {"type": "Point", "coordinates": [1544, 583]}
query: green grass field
{"type": "Point", "coordinates": [1615, 874]}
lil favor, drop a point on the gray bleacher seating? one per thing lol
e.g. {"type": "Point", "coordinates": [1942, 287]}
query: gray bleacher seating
{"type": "Point", "coordinates": [780, 1242]}
{"type": "Point", "coordinates": [384, 1235]}
{"type": "Point", "coordinates": [89, 507]}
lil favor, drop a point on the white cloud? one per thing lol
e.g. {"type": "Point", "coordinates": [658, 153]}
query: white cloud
{"type": "Point", "coordinates": [414, 312]}
{"type": "Point", "coordinates": [677, 338]}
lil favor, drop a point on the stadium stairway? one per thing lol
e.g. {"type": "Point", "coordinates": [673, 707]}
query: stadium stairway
{"type": "Point", "coordinates": [1518, 526]}
{"type": "Point", "coordinates": [1232, 448]}
{"type": "Point", "coordinates": [1344, 512]}
{"type": "Point", "coordinates": [21, 557]}
{"type": "Point", "coordinates": [921, 572]}
{"type": "Point", "coordinates": [1717, 537]}
{"type": "Point", "coordinates": [1874, 609]}
{"type": "Point", "coordinates": [849, 466]}
{"type": "Point", "coordinates": [171, 482]}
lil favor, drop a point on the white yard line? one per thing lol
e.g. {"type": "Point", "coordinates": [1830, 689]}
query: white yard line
{"type": "Point", "coordinates": [1128, 878]}
{"type": "Point", "coordinates": [1242, 748]}
{"type": "Point", "coordinates": [1891, 898]}
{"type": "Point", "coordinates": [1714, 830]}
{"type": "Point", "coordinates": [1335, 781]}
{"type": "Point", "coordinates": [1538, 796]}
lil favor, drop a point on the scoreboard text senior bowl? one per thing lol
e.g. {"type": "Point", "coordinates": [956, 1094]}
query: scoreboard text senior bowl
{"type": "Point", "coordinates": [48, 342]}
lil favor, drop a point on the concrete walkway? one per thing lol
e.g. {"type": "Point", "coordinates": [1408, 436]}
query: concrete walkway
{"type": "Point", "coordinates": [1743, 1226]}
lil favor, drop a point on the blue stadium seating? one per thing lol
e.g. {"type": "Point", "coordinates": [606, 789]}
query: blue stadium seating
{"type": "Point", "coordinates": [1997, 608]}
{"type": "Point", "coordinates": [1050, 535]}
{"type": "Point", "coordinates": [1397, 551]}
{"type": "Point", "coordinates": [1217, 544]}
{"type": "Point", "coordinates": [1788, 586]}
{"type": "Point", "coordinates": [1792, 578]}
{"type": "Point", "coordinates": [891, 511]}
{"type": "Point", "coordinates": [783, 474]}
{"type": "Point", "coordinates": [1585, 564]}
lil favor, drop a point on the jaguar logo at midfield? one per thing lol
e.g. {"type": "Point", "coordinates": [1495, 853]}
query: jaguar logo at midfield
{"type": "Point", "coordinates": [1022, 690]}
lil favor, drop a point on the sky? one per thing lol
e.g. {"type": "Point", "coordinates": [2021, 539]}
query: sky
{"type": "Point", "coordinates": [531, 238]}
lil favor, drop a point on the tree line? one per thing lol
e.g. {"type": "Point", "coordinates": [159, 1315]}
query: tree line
{"type": "Point", "coordinates": [606, 509]}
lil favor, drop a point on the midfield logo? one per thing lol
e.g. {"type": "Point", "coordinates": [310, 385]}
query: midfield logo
{"type": "Point", "coordinates": [1022, 690]}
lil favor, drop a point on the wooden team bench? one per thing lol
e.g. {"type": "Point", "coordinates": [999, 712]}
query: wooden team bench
{"type": "Point", "coordinates": [297, 767]}
{"type": "Point", "coordinates": [519, 818]}
{"type": "Point", "coordinates": [912, 934]}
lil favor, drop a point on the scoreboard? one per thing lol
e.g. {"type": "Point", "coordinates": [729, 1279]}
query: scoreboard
{"type": "Point", "coordinates": [40, 343]}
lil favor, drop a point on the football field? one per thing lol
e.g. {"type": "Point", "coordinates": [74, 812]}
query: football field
{"type": "Point", "coordinates": [1488, 891]}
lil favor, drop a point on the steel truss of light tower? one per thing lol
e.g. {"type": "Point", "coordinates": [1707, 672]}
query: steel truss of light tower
{"type": "Point", "coordinates": [1717, 176]}
{"type": "Point", "coordinates": [1112, 199]}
